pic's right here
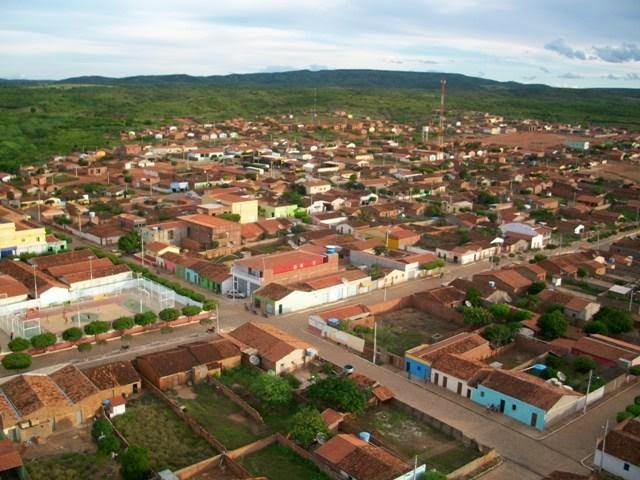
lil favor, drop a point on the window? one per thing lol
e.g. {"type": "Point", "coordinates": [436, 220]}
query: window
{"type": "Point", "coordinates": [514, 407]}
{"type": "Point", "coordinates": [626, 467]}
{"type": "Point", "coordinates": [482, 394]}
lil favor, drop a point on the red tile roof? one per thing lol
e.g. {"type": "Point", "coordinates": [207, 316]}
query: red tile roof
{"type": "Point", "coordinates": [271, 342]}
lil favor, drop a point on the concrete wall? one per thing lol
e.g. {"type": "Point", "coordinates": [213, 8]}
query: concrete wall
{"type": "Point", "coordinates": [513, 407]}
{"type": "Point", "coordinates": [615, 466]}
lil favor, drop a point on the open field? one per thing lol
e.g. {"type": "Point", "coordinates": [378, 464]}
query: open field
{"type": "Point", "coordinates": [170, 442]}
{"type": "Point", "coordinates": [73, 466]}
{"type": "Point", "coordinates": [404, 329]}
{"type": "Point", "coordinates": [277, 462]}
{"type": "Point", "coordinates": [409, 437]}
{"type": "Point", "coordinates": [527, 141]}
{"type": "Point", "coordinates": [220, 416]}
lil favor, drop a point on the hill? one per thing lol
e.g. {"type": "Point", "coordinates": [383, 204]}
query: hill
{"type": "Point", "coordinates": [43, 118]}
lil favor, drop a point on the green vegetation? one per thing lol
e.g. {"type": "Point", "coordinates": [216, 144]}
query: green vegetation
{"type": "Point", "coordinates": [191, 310]}
{"type": "Point", "coordinates": [232, 217]}
{"type": "Point", "coordinates": [105, 438]}
{"type": "Point", "coordinates": [439, 263]}
{"type": "Point", "coordinates": [277, 462]}
{"type": "Point", "coordinates": [122, 323]}
{"type": "Point", "coordinates": [223, 418]}
{"type": "Point", "coordinates": [43, 340]}
{"type": "Point", "coordinates": [72, 334]}
{"type": "Point", "coordinates": [96, 328]}
{"type": "Point", "coordinates": [552, 324]}
{"type": "Point", "coordinates": [130, 243]}
{"type": "Point", "coordinates": [338, 392]}
{"type": "Point", "coordinates": [39, 120]}
{"type": "Point", "coordinates": [134, 463]}
{"type": "Point", "coordinates": [170, 442]}
{"type": "Point", "coordinates": [272, 390]}
{"type": "Point", "coordinates": [16, 361]}
{"type": "Point", "coordinates": [615, 320]}
{"type": "Point", "coordinates": [536, 287]}
{"type": "Point", "coordinates": [477, 316]}
{"type": "Point", "coordinates": [306, 425]}
{"type": "Point", "coordinates": [576, 371]}
{"type": "Point", "coordinates": [145, 318]}
{"type": "Point", "coordinates": [169, 314]}
{"type": "Point", "coordinates": [72, 466]}
{"type": "Point", "coordinates": [19, 344]}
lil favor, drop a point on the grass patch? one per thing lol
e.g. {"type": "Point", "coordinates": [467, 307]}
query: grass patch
{"type": "Point", "coordinates": [409, 437]}
{"type": "Point", "coordinates": [216, 413]}
{"type": "Point", "coordinates": [395, 339]}
{"type": "Point", "coordinates": [582, 286]}
{"type": "Point", "coordinates": [277, 462]}
{"type": "Point", "coordinates": [170, 442]}
{"type": "Point", "coordinates": [72, 466]}
{"type": "Point", "coordinates": [133, 305]}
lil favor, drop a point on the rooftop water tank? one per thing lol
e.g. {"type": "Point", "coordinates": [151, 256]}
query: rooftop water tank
{"type": "Point", "coordinates": [366, 436]}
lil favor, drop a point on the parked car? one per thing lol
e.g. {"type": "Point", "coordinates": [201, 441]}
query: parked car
{"type": "Point", "coordinates": [236, 294]}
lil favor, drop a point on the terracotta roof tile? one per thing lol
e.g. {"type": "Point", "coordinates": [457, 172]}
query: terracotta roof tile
{"type": "Point", "coordinates": [271, 342]}
{"type": "Point", "coordinates": [112, 375]}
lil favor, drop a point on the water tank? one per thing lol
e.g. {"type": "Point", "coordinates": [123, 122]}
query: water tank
{"type": "Point", "coordinates": [492, 284]}
{"type": "Point", "coordinates": [366, 436]}
{"type": "Point", "coordinates": [105, 404]}
{"type": "Point", "coordinates": [331, 249]}
{"type": "Point", "coordinates": [333, 322]}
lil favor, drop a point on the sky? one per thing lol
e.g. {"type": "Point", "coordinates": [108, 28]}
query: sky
{"type": "Point", "coordinates": [568, 43]}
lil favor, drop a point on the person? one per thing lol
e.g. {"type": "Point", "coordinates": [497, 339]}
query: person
{"type": "Point", "coordinates": [11, 336]}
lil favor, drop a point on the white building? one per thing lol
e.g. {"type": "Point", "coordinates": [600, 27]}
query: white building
{"type": "Point", "coordinates": [537, 236]}
{"type": "Point", "coordinates": [619, 452]}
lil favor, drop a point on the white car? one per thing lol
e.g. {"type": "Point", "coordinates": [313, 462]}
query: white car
{"type": "Point", "coordinates": [236, 294]}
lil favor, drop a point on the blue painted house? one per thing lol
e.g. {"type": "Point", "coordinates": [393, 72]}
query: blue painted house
{"type": "Point", "coordinates": [524, 397]}
{"type": "Point", "coordinates": [418, 360]}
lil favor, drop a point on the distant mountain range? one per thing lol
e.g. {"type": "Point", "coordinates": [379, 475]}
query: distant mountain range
{"type": "Point", "coordinates": [320, 79]}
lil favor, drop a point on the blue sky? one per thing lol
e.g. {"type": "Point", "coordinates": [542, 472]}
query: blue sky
{"type": "Point", "coordinates": [561, 42]}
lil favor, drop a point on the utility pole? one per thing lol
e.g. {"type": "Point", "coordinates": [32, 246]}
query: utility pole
{"type": "Point", "coordinates": [375, 341]}
{"type": "Point", "coordinates": [35, 281]}
{"type": "Point", "coordinates": [604, 442]}
{"type": "Point", "coordinates": [91, 267]}
{"type": "Point", "coordinates": [217, 319]}
{"type": "Point", "coordinates": [142, 248]}
{"type": "Point", "coordinates": [586, 397]}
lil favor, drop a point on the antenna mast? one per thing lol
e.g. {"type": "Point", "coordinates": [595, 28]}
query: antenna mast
{"type": "Point", "coordinates": [443, 88]}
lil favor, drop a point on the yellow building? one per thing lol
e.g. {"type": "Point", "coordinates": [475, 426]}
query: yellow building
{"type": "Point", "coordinates": [17, 238]}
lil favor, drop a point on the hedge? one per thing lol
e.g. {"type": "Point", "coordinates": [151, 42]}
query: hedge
{"type": "Point", "coordinates": [16, 361]}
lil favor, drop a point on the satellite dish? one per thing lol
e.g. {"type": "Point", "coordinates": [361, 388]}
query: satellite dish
{"type": "Point", "coordinates": [467, 303]}
{"type": "Point", "coordinates": [254, 360]}
{"type": "Point", "coordinates": [321, 438]}
{"type": "Point", "coordinates": [561, 376]}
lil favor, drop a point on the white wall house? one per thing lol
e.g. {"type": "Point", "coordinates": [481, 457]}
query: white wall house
{"type": "Point", "coordinates": [619, 453]}
{"type": "Point", "coordinates": [538, 236]}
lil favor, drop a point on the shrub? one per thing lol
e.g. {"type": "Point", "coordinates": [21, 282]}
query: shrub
{"type": "Point", "coordinates": [96, 328]}
{"type": "Point", "coordinates": [498, 334]}
{"type": "Point", "coordinates": [146, 318]}
{"type": "Point", "coordinates": [583, 364]}
{"type": "Point", "coordinates": [19, 344]}
{"type": "Point", "coordinates": [271, 389]}
{"type": "Point", "coordinates": [633, 409]}
{"type": "Point", "coordinates": [553, 361]}
{"type": "Point", "coordinates": [169, 314]}
{"type": "Point", "coordinates": [191, 310]}
{"type": "Point", "coordinates": [306, 425]}
{"type": "Point", "coordinates": [292, 379]}
{"type": "Point", "coordinates": [123, 323]}
{"type": "Point", "coordinates": [616, 320]}
{"type": "Point", "coordinates": [635, 370]}
{"type": "Point", "coordinates": [72, 334]}
{"type": "Point", "coordinates": [595, 326]}
{"type": "Point", "coordinates": [536, 287]}
{"type": "Point", "coordinates": [16, 361]}
{"type": "Point", "coordinates": [101, 427]}
{"type": "Point", "coordinates": [622, 416]}
{"type": "Point", "coordinates": [84, 347]}
{"type": "Point", "coordinates": [134, 463]}
{"type": "Point", "coordinates": [44, 340]}
{"type": "Point", "coordinates": [499, 310]}
{"type": "Point", "coordinates": [209, 305]}
{"type": "Point", "coordinates": [477, 316]}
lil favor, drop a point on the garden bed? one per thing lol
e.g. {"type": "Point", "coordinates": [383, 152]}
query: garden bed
{"type": "Point", "coordinates": [170, 442]}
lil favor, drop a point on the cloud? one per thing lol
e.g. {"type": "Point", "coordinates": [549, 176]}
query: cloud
{"type": "Point", "coordinates": [544, 69]}
{"type": "Point", "coordinates": [428, 62]}
{"type": "Point", "coordinates": [528, 79]}
{"type": "Point", "coordinates": [563, 48]}
{"type": "Point", "coordinates": [633, 76]}
{"type": "Point", "coordinates": [611, 76]}
{"type": "Point", "coordinates": [628, 52]}
{"type": "Point", "coordinates": [570, 76]}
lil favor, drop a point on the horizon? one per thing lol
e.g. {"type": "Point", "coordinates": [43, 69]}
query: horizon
{"type": "Point", "coordinates": [567, 45]}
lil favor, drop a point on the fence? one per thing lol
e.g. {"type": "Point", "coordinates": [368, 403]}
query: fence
{"type": "Point", "coordinates": [235, 398]}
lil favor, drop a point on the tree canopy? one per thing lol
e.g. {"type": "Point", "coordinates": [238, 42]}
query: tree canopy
{"type": "Point", "coordinates": [338, 392]}
{"type": "Point", "coordinates": [272, 390]}
{"type": "Point", "coordinates": [306, 425]}
{"type": "Point", "coordinates": [552, 324]}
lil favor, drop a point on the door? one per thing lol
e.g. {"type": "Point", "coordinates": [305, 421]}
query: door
{"type": "Point", "coordinates": [280, 309]}
{"type": "Point", "coordinates": [436, 377]}
{"type": "Point", "coordinates": [444, 381]}
{"type": "Point", "coordinates": [534, 419]}
{"type": "Point", "coordinates": [502, 404]}
{"type": "Point", "coordinates": [459, 390]}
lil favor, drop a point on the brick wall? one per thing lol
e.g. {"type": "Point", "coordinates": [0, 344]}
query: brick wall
{"type": "Point", "coordinates": [199, 468]}
{"type": "Point", "coordinates": [235, 398]}
{"type": "Point", "coordinates": [252, 447]}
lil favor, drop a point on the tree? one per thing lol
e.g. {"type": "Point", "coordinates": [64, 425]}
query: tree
{"type": "Point", "coordinates": [62, 220]}
{"type": "Point", "coordinates": [616, 320]}
{"type": "Point", "coordinates": [44, 340]}
{"type": "Point", "coordinates": [584, 363]}
{"type": "Point", "coordinates": [380, 249]}
{"type": "Point", "coordinates": [123, 323]}
{"type": "Point", "coordinates": [517, 315]}
{"type": "Point", "coordinates": [19, 344]}
{"type": "Point", "coordinates": [582, 272]}
{"type": "Point", "coordinates": [100, 428]}
{"type": "Point", "coordinates": [500, 334]}
{"type": "Point", "coordinates": [536, 287]}
{"type": "Point", "coordinates": [169, 314]}
{"type": "Point", "coordinates": [375, 271]}
{"type": "Point", "coordinates": [474, 297]}
{"type": "Point", "coordinates": [338, 392]}
{"type": "Point", "coordinates": [96, 328]}
{"type": "Point", "coordinates": [595, 326]}
{"type": "Point", "coordinates": [134, 463]}
{"type": "Point", "coordinates": [209, 305]}
{"type": "Point", "coordinates": [306, 425]}
{"type": "Point", "coordinates": [272, 390]}
{"type": "Point", "coordinates": [477, 316]}
{"type": "Point", "coordinates": [485, 198]}
{"type": "Point", "coordinates": [84, 347]}
{"type": "Point", "coordinates": [130, 243]}
{"type": "Point", "coordinates": [191, 310]}
{"type": "Point", "coordinates": [552, 324]}
{"type": "Point", "coordinates": [16, 361]}
{"type": "Point", "coordinates": [500, 311]}
{"type": "Point", "coordinates": [439, 263]}
{"type": "Point", "coordinates": [72, 334]}
{"type": "Point", "coordinates": [146, 318]}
